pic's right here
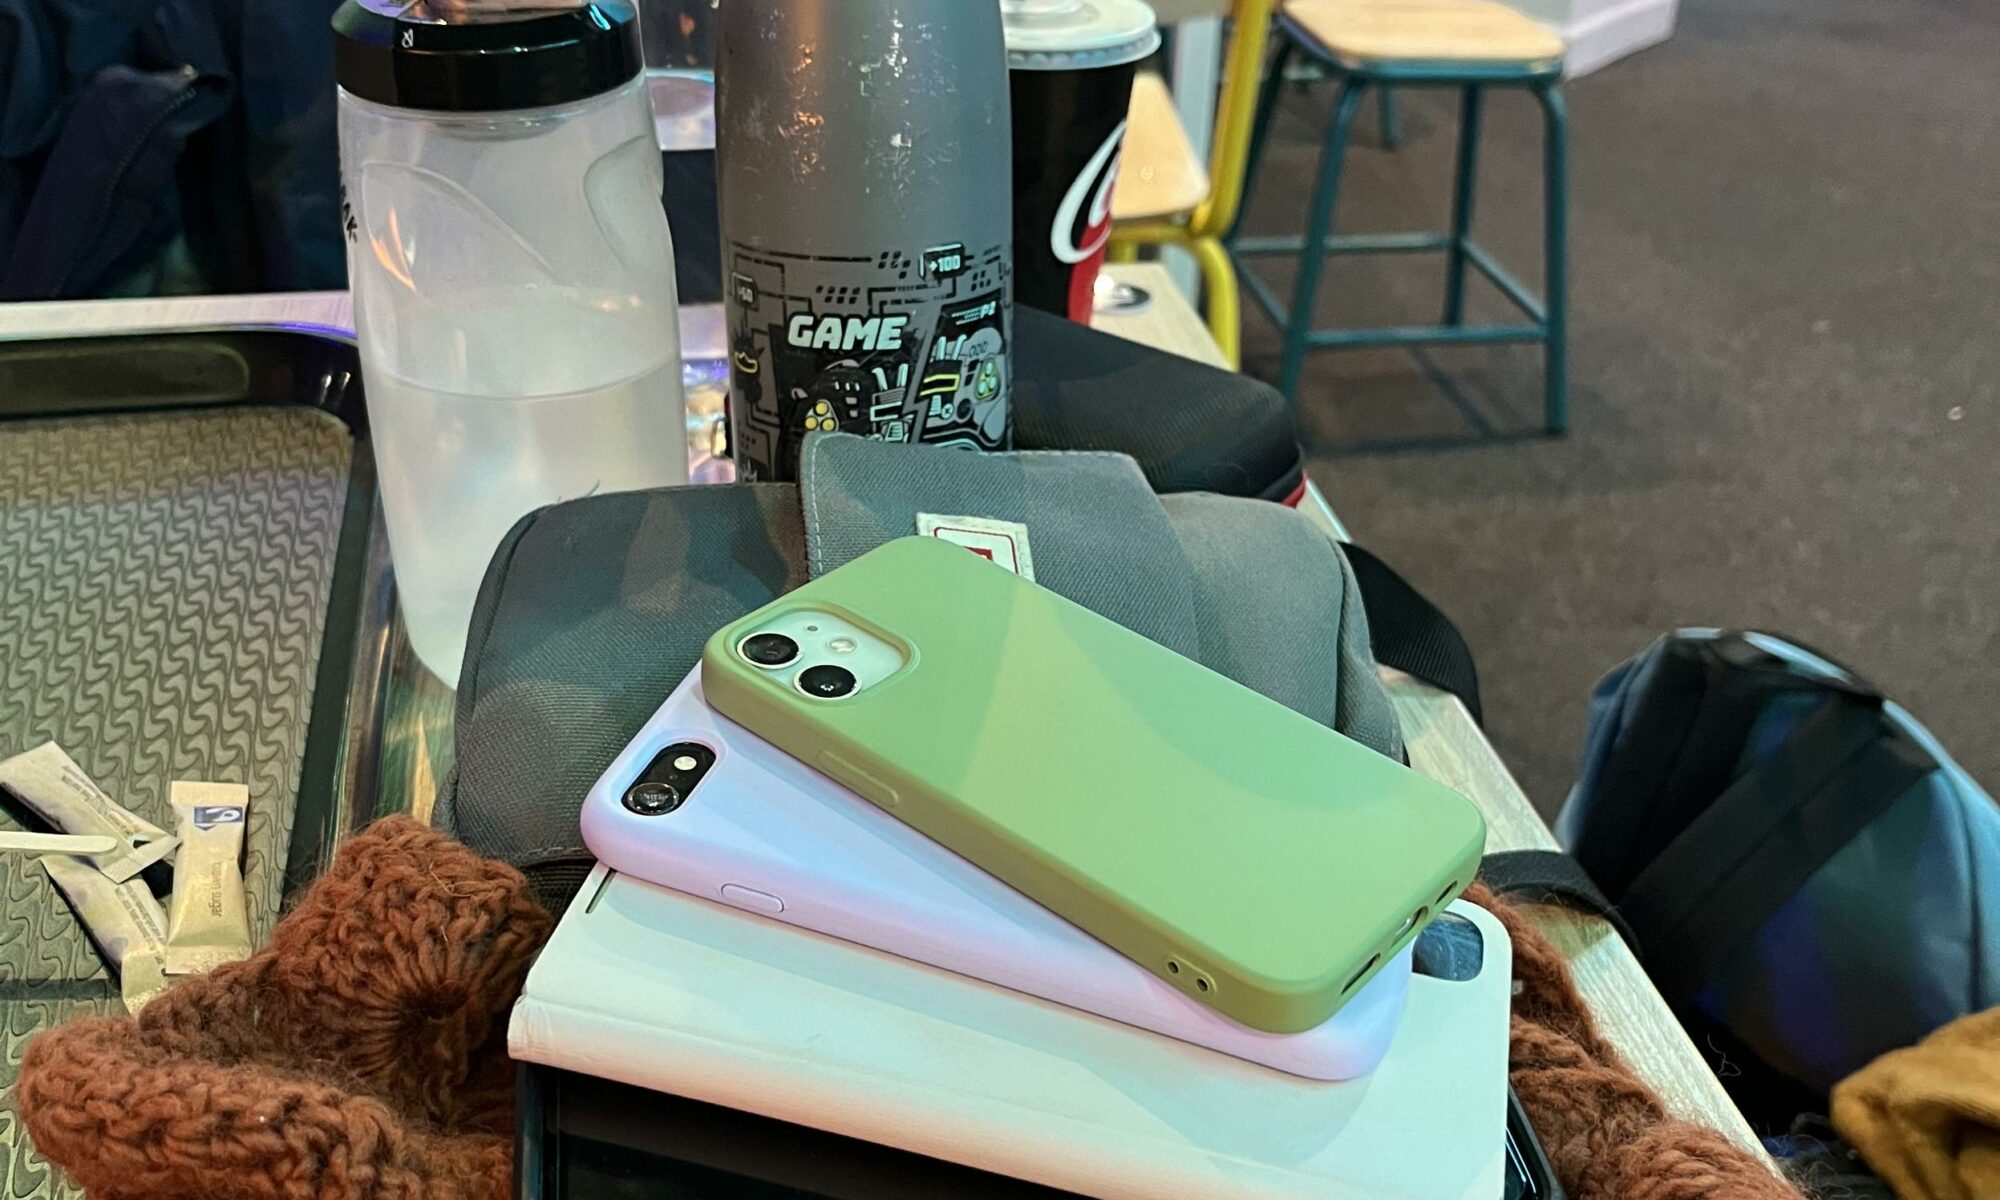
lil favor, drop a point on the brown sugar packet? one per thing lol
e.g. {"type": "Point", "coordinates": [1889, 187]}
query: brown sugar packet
{"type": "Point", "coordinates": [124, 923]}
{"type": "Point", "coordinates": [209, 922]}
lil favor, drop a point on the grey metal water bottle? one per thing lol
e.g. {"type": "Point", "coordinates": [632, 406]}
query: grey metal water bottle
{"type": "Point", "coordinates": [865, 164]}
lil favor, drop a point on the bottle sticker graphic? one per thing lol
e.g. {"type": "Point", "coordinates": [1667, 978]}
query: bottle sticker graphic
{"type": "Point", "coordinates": [905, 346]}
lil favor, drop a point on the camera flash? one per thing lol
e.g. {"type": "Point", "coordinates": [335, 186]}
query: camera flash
{"type": "Point", "coordinates": [685, 762]}
{"type": "Point", "coordinates": [841, 645]}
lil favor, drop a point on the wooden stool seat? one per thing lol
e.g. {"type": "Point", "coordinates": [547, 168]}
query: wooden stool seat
{"type": "Point", "coordinates": [1472, 47]}
{"type": "Point", "coordinates": [1161, 175]}
{"type": "Point", "coordinates": [1436, 31]}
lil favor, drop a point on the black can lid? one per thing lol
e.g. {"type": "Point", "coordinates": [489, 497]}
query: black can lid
{"type": "Point", "coordinates": [483, 55]}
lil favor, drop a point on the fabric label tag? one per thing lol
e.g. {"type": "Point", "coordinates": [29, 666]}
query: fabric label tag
{"type": "Point", "coordinates": [1002, 542]}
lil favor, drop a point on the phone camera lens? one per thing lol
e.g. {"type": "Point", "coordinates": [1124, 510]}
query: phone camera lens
{"type": "Point", "coordinates": [653, 799]}
{"type": "Point", "coordinates": [827, 682]}
{"type": "Point", "coordinates": [769, 649]}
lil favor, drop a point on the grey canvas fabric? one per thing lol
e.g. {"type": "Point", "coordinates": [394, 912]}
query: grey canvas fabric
{"type": "Point", "coordinates": [1098, 534]}
{"type": "Point", "coordinates": [1277, 602]}
{"type": "Point", "coordinates": [590, 614]}
{"type": "Point", "coordinates": [594, 610]}
{"type": "Point", "coordinates": [1245, 587]}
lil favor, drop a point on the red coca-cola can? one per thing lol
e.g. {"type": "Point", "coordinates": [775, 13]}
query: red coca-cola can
{"type": "Point", "coordinates": [1072, 64]}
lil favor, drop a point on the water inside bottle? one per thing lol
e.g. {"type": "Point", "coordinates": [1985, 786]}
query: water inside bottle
{"type": "Point", "coordinates": [459, 469]}
{"type": "Point", "coordinates": [514, 300]}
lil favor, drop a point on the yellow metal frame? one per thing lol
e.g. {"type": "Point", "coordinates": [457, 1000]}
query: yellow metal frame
{"type": "Point", "coordinates": [1200, 232]}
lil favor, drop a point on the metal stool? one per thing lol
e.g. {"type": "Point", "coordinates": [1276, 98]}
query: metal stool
{"type": "Point", "coordinates": [1468, 44]}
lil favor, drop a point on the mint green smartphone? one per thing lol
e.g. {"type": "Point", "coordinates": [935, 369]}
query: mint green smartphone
{"type": "Point", "coordinates": [1247, 855]}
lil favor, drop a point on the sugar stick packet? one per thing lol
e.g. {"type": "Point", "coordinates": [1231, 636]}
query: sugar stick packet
{"type": "Point", "coordinates": [124, 923]}
{"type": "Point", "coordinates": [55, 789]}
{"type": "Point", "coordinates": [208, 922]}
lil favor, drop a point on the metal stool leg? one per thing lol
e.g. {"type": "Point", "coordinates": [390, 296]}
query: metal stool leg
{"type": "Point", "coordinates": [1223, 298]}
{"type": "Point", "coordinates": [1260, 129]}
{"type": "Point", "coordinates": [1556, 297]}
{"type": "Point", "coordinates": [1385, 112]}
{"type": "Point", "coordinates": [1312, 258]}
{"type": "Point", "coordinates": [1461, 204]}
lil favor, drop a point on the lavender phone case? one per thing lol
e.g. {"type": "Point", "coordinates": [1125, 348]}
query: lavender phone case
{"type": "Point", "coordinates": [768, 834]}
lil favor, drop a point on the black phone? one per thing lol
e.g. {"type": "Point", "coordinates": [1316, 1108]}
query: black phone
{"type": "Point", "coordinates": [581, 1138]}
{"type": "Point", "coordinates": [1530, 1175]}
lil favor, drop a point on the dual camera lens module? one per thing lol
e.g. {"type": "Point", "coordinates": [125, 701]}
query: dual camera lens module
{"type": "Point", "coordinates": [821, 681]}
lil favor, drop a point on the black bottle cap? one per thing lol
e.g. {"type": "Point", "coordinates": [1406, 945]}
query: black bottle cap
{"type": "Point", "coordinates": [508, 54]}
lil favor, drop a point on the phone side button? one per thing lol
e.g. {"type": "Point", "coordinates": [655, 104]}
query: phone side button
{"type": "Point", "coordinates": [854, 778]}
{"type": "Point", "coordinates": [752, 899]}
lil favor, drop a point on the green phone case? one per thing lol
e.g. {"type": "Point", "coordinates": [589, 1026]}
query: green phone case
{"type": "Point", "coordinates": [1260, 862]}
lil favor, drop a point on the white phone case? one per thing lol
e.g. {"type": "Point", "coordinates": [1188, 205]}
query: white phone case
{"type": "Point", "coordinates": [765, 833]}
{"type": "Point", "coordinates": [652, 987]}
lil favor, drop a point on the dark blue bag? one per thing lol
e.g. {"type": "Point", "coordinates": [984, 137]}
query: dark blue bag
{"type": "Point", "coordinates": [1804, 867]}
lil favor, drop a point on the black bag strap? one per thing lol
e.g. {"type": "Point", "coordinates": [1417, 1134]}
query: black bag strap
{"type": "Point", "coordinates": [1412, 635]}
{"type": "Point", "coordinates": [1766, 835]}
{"type": "Point", "coordinates": [1612, 841]}
{"type": "Point", "coordinates": [1552, 877]}
{"type": "Point", "coordinates": [1680, 746]}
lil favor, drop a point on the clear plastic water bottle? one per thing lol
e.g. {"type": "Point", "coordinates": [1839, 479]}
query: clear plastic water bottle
{"type": "Point", "coordinates": [513, 278]}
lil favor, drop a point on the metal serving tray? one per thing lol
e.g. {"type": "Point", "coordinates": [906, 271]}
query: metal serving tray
{"type": "Point", "coordinates": [195, 584]}
{"type": "Point", "coordinates": [185, 582]}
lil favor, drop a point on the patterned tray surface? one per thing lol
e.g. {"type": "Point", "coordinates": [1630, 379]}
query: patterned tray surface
{"type": "Point", "coordinates": [164, 581]}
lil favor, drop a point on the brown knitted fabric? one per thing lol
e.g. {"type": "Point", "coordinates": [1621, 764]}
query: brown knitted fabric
{"type": "Point", "coordinates": [1608, 1135]}
{"type": "Point", "coordinates": [360, 1055]}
